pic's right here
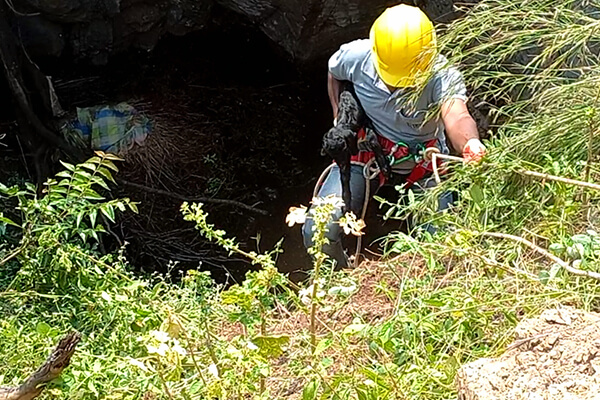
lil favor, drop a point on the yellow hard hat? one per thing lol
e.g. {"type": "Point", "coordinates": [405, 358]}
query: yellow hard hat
{"type": "Point", "coordinates": [403, 40]}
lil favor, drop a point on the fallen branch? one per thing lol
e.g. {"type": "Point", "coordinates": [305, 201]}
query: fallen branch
{"type": "Point", "coordinates": [192, 199]}
{"type": "Point", "coordinates": [559, 179]}
{"type": "Point", "coordinates": [542, 251]}
{"type": "Point", "coordinates": [435, 155]}
{"type": "Point", "coordinates": [55, 364]}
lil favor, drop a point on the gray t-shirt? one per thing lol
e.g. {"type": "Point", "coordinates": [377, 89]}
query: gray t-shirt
{"type": "Point", "coordinates": [390, 113]}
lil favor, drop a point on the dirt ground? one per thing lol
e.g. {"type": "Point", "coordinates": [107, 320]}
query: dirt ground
{"type": "Point", "coordinates": [369, 304]}
{"type": "Point", "coordinates": [554, 356]}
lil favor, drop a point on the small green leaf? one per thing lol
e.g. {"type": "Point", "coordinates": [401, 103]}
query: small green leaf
{"type": "Point", "coordinates": [271, 346]}
{"type": "Point", "coordinates": [68, 166]}
{"type": "Point", "coordinates": [556, 248]}
{"type": "Point", "coordinates": [195, 387]}
{"type": "Point", "coordinates": [327, 362]}
{"type": "Point", "coordinates": [90, 194]}
{"type": "Point", "coordinates": [94, 235]}
{"type": "Point", "coordinates": [64, 174]}
{"type": "Point", "coordinates": [310, 391]}
{"type": "Point", "coordinates": [8, 221]}
{"type": "Point", "coordinates": [89, 165]}
{"type": "Point", "coordinates": [434, 302]}
{"type": "Point", "coordinates": [582, 239]}
{"type": "Point", "coordinates": [113, 157]}
{"type": "Point", "coordinates": [110, 166]}
{"type": "Point", "coordinates": [79, 218]}
{"type": "Point", "coordinates": [553, 271]}
{"type": "Point", "coordinates": [106, 174]}
{"type": "Point", "coordinates": [476, 194]}
{"type": "Point", "coordinates": [322, 346]}
{"type": "Point", "coordinates": [354, 329]}
{"type": "Point", "coordinates": [99, 181]}
{"type": "Point", "coordinates": [90, 385]}
{"type": "Point", "coordinates": [93, 217]}
{"type": "Point", "coordinates": [108, 211]}
{"type": "Point", "coordinates": [82, 173]}
{"type": "Point", "coordinates": [42, 328]}
{"type": "Point", "coordinates": [543, 276]}
{"type": "Point", "coordinates": [411, 197]}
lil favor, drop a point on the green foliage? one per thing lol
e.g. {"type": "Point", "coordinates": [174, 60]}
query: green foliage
{"type": "Point", "coordinates": [452, 298]}
{"type": "Point", "coordinates": [139, 336]}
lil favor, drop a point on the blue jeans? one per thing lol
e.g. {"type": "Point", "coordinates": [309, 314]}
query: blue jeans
{"type": "Point", "coordinates": [333, 185]}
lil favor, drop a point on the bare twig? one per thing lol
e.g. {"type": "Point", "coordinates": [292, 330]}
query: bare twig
{"type": "Point", "coordinates": [193, 199]}
{"type": "Point", "coordinates": [521, 342]}
{"type": "Point", "coordinates": [51, 369]}
{"type": "Point", "coordinates": [544, 252]}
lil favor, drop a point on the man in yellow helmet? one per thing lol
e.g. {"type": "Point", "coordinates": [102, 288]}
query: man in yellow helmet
{"type": "Point", "coordinates": [385, 71]}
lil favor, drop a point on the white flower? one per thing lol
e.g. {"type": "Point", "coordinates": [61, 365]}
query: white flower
{"type": "Point", "coordinates": [178, 349]}
{"type": "Point", "coordinates": [212, 368]}
{"type": "Point", "coordinates": [161, 336]}
{"type": "Point", "coordinates": [252, 346]}
{"type": "Point", "coordinates": [137, 363]}
{"type": "Point", "coordinates": [305, 295]}
{"type": "Point", "coordinates": [160, 350]}
{"type": "Point", "coordinates": [352, 225]}
{"type": "Point", "coordinates": [297, 215]}
{"type": "Point", "coordinates": [305, 292]}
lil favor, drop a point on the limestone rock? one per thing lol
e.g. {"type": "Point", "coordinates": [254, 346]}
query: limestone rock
{"type": "Point", "coordinates": [553, 357]}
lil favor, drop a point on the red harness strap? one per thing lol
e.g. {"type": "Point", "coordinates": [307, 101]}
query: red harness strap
{"type": "Point", "coordinates": [399, 152]}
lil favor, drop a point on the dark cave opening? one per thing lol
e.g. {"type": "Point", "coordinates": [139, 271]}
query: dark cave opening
{"type": "Point", "coordinates": [233, 119]}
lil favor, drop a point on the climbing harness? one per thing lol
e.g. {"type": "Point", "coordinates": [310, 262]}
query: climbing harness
{"type": "Point", "coordinates": [423, 154]}
{"type": "Point", "coordinates": [400, 152]}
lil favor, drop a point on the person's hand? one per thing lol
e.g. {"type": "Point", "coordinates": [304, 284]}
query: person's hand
{"type": "Point", "coordinates": [473, 151]}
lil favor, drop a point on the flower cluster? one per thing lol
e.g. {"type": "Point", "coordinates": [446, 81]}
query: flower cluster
{"type": "Point", "coordinates": [349, 223]}
{"type": "Point", "coordinates": [163, 350]}
{"type": "Point", "coordinates": [305, 294]}
{"type": "Point", "coordinates": [161, 343]}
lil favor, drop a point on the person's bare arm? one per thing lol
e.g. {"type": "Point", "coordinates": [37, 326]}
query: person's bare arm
{"type": "Point", "coordinates": [460, 126]}
{"type": "Point", "coordinates": [461, 130]}
{"type": "Point", "coordinates": [333, 89]}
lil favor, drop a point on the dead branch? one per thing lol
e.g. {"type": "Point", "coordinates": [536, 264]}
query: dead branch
{"type": "Point", "coordinates": [542, 251]}
{"type": "Point", "coordinates": [193, 199]}
{"type": "Point", "coordinates": [543, 176]}
{"type": "Point", "coordinates": [55, 364]}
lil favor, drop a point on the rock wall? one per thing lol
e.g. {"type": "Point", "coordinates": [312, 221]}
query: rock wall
{"type": "Point", "coordinates": [94, 29]}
